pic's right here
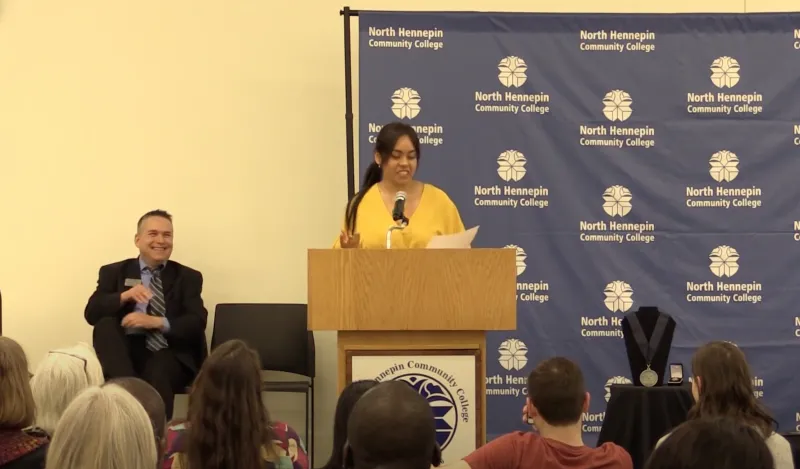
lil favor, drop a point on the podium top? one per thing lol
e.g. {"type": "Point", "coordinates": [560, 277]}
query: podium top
{"type": "Point", "coordinates": [412, 289]}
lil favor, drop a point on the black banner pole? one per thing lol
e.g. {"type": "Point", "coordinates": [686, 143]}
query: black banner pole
{"type": "Point", "coordinates": [348, 96]}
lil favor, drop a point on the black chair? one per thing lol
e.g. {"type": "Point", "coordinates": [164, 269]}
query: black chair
{"type": "Point", "coordinates": [279, 333]}
{"type": "Point", "coordinates": [794, 443]}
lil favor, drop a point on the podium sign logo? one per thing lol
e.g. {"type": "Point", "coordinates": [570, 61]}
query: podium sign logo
{"type": "Point", "coordinates": [447, 382]}
{"type": "Point", "coordinates": [441, 401]}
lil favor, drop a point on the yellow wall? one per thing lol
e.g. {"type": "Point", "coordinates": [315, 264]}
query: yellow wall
{"type": "Point", "coordinates": [227, 113]}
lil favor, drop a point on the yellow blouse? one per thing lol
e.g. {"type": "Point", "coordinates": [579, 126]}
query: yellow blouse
{"type": "Point", "coordinates": [435, 215]}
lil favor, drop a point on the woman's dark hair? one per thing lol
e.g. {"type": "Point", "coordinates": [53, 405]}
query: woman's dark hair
{"type": "Point", "coordinates": [384, 146]}
{"type": "Point", "coordinates": [726, 387]}
{"type": "Point", "coordinates": [350, 395]}
{"type": "Point", "coordinates": [721, 443]}
{"type": "Point", "coordinates": [228, 424]}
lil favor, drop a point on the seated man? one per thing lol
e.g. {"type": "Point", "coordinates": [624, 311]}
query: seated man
{"type": "Point", "coordinates": [556, 402]}
{"type": "Point", "coordinates": [148, 315]}
{"type": "Point", "coordinates": [391, 426]}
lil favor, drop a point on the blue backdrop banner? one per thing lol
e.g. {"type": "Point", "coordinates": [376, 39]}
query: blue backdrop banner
{"type": "Point", "coordinates": [631, 160]}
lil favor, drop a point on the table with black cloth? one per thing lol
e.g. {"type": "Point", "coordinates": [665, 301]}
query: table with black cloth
{"type": "Point", "coordinates": [637, 417]}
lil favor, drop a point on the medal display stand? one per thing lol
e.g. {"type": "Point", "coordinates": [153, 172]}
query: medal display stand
{"type": "Point", "coordinates": [648, 335]}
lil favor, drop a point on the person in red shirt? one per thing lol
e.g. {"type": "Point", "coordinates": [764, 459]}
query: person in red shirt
{"type": "Point", "coordinates": [557, 399]}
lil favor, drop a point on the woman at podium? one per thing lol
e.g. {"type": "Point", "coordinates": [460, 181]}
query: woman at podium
{"type": "Point", "coordinates": [391, 197]}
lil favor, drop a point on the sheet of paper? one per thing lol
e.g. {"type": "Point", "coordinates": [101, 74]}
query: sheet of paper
{"type": "Point", "coordinates": [455, 241]}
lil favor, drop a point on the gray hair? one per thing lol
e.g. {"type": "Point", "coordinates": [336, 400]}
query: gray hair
{"type": "Point", "coordinates": [59, 378]}
{"type": "Point", "coordinates": [103, 428]}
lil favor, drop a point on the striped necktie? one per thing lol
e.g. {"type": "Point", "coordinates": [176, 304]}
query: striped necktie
{"type": "Point", "coordinates": [157, 307]}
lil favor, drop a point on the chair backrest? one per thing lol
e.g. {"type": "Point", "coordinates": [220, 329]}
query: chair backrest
{"type": "Point", "coordinates": [794, 442]}
{"type": "Point", "coordinates": [278, 332]}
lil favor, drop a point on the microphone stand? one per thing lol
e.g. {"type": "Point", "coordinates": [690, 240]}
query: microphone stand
{"type": "Point", "coordinates": [403, 223]}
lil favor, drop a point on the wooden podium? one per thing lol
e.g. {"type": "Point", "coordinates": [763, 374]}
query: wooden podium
{"type": "Point", "coordinates": [400, 305]}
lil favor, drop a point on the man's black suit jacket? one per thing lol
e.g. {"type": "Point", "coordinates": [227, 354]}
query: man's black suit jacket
{"type": "Point", "coordinates": [186, 313]}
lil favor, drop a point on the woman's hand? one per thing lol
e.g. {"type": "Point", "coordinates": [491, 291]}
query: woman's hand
{"type": "Point", "coordinates": [347, 240]}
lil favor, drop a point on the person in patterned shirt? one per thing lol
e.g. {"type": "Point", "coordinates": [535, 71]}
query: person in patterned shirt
{"type": "Point", "coordinates": [20, 446]}
{"type": "Point", "coordinates": [228, 425]}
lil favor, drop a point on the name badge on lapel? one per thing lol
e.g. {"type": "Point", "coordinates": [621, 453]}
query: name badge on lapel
{"type": "Point", "coordinates": [132, 282]}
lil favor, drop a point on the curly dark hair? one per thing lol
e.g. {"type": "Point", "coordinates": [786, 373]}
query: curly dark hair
{"type": "Point", "coordinates": [228, 425]}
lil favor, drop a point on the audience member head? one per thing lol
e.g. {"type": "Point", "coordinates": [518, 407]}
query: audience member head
{"type": "Point", "coordinates": [722, 386]}
{"type": "Point", "coordinates": [17, 408]}
{"type": "Point", "coordinates": [154, 237]}
{"type": "Point", "coordinates": [68, 370]}
{"type": "Point", "coordinates": [719, 443]}
{"type": "Point", "coordinates": [391, 427]}
{"type": "Point", "coordinates": [153, 404]}
{"type": "Point", "coordinates": [557, 395]}
{"type": "Point", "coordinates": [228, 424]}
{"type": "Point", "coordinates": [103, 428]}
{"type": "Point", "coordinates": [350, 395]}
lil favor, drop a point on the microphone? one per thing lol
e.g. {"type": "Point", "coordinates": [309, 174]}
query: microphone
{"type": "Point", "coordinates": [399, 207]}
{"type": "Point", "coordinates": [397, 216]}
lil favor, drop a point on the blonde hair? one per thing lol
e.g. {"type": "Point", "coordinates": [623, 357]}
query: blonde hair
{"type": "Point", "coordinates": [17, 408]}
{"type": "Point", "coordinates": [60, 376]}
{"type": "Point", "coordinates": [103, 428]}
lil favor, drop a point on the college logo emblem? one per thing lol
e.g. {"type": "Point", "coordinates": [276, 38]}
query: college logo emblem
{"type": "Point", "coordinates": [513, 354]}
{"type": "Point", "coordinates": [511, 165]}
{"type": "Point", "coordinates": [405, 103]}
{"type": "Point", "coordinates": [725, 72]}
{"type": "Point", "coordinates": [724, 261]}
{"type": "Point", "coordinates": [617, 105]}
{"type": "Point", "coordinates": [619, 296]}
{"type": "Point", "coordinates": [512, 72]}
{"type": "Point", "coordinates": [617, 201]}
{"type": "Point", "coordinates": [724, 166]}
{"type": "Point", "coordinates": [441, 401]}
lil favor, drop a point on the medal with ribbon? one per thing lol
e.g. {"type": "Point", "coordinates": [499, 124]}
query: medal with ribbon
{"type": "Point", "coordinates": [648, 377]}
